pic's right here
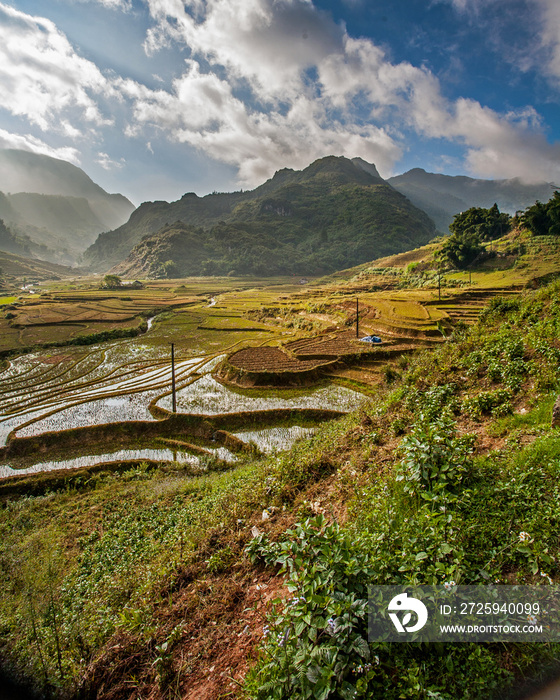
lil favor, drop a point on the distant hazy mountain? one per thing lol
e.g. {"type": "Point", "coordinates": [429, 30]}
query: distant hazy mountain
{"type": "Point", "coordinates": [55, 203]}
{"type": "Point", "coordinates": [443, 196]}
{"type": "Point", "coordinates": [333, 214]}
{"type": "Point", "coordinates": [10, 242]}
{"type": "Point", "coordinates": [34, 270]}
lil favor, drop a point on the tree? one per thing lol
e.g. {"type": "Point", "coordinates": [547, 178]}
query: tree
{"type": "Point", "coordinates": [461, 249]}
{"type": "Point", "coordinates": [112, 282]}
{"type": "Point", "coordinates": [487, 224]}
{"type": "Point", "coordinates": [535, 219]}
{"type": "Point", "coordinates": [543, 219]}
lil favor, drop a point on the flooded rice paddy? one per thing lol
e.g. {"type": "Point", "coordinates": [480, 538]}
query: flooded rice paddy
{"type": "Point", "coordinates": [113, 409]}
{"type": "Point", "coordinates": [207, 396]}
{"type": "Point", "coordinates": [74, 387]}
{"type": "Point", "coordinates": [156, 455]}
{"type": "Point", "coordinates": [270, 440]}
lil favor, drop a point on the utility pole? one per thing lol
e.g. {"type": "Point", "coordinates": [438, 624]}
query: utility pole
{"type": "Point", "coordinates": [173, 392]}
{"type": "Point", "coordinates": [357, 329]}
{"type": "Point", "coordinates": [439, 284]}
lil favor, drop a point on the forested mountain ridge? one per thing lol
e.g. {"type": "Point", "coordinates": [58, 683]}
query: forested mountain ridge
{"type": "Point", "coordinates": [333, 214]}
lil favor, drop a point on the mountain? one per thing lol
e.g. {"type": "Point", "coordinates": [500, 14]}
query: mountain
{"type": "Point", "coordinates": [443, 196]}
{"type": "Point", "coordinates": [55, 203]}
{"type": "Point", "coordinates": [10, 242]}
{"type": "Point", "coordinates": [19, 267]}
{"type": "Point", "coordinates": [333, 214]}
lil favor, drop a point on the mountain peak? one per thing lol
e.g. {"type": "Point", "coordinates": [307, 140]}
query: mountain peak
{"type": "Point", "coordinates": [334, 213]}
{"type": "Point", "coordinates": [443, 196]}
{"type": "Point", "coordinates": [368, 167]}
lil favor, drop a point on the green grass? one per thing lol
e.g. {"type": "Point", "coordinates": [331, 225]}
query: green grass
{"type": "Point", "coordinates": [538, 417]}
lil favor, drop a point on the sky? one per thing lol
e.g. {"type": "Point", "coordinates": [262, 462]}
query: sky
{"type": "Point", "coordinates": [155, 98]}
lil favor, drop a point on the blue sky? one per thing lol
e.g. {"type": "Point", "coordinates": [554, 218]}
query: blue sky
{"type": "Point", "coordinates": [155, 98]}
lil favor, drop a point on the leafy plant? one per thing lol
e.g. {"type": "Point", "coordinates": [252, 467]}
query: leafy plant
{"type": "Point", "coordinates": [311, 644]}
{"type": "Point", "coordinates": [434, 457]}
{"type": "Point", "coordinates": [220, 560]}
{"type": "Point", "coordinates": [496, 402]}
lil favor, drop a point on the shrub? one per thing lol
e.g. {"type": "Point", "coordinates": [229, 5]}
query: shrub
{"type": "Point", "coordinates": [311, 646]}
{"type": "Point", "coordinates": [434, 457]}
{"type": "Point", "coordinates": [496, 402]}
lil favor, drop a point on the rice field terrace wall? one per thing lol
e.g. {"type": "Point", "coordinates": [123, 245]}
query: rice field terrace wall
{"type": "Point", "coordinates": [266, 366]}
{"type": "Point", "coordinates": [208, 428]}
{"type": "Point", "coordinates": [37, 484]}
{"type": "Point", "coordinates": [43, 482]}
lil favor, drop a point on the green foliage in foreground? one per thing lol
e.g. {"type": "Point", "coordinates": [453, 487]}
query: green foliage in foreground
{"type": "Point", "coordinates": [440, 516]}
{"type": "Point", "coordinates": [81, 564]}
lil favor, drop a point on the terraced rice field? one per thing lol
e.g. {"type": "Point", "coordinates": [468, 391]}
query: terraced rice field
{"type": "Point", "coordinates": [89, 460]}
{"type": "Point", "coordinates": [330, 346]}
{"type": "Point", "coordinates": [269, 360]}
{"type": "Point", "coordinates": [64, 316]}
{"type": "Point", "coordinates": [88, 391]}
{"type": "Point", "coordinates": [49, 392]}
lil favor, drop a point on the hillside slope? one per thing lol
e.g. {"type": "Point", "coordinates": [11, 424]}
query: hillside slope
{"type": "Point", "coordinates": [20, 266]}
{"type": "Point", "coordinates": [450, 476]}
{"type": "Point", "coordinates": [330, 215]}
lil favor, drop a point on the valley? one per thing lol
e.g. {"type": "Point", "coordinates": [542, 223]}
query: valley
{"type": "Point", "coordinates": [97, 370]}
{"type": "Point", "coordinates": [201, 473]}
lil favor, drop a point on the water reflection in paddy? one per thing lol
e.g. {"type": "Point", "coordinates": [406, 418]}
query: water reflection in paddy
{"type": "Point", "coordinates": [207, 396]}
{"type": "Point", "coordinates": [110, 410]}
{"type": "Point", "coordinates": [159, 455]}
{"type": "Point", "coordinates": [271, 440]}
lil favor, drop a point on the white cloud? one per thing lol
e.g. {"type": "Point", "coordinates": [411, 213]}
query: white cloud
{"type": "Point", "coordinates": [27, 142]}
{"type": "Point", "coordinates": [268, 84]}
{"type": "Point", "coordinates": [505, 148]}
{"type": "Point", "coordinates": [42, 77]}
{"type": "Point", "coordinates": [124, 5]}
{"type": "Point", "coordinates": [267, 42]}
{"type": "Point", "coordinates": [550, 33]}
{"type": "Point", "coordinates": [106, 162]}
{"type": "Point", "coordinates": [283, 84]}
{"type": "Point", "coordinates": [203, 112]}
{"type": "Point", "coordinates": [541, 20]}
{"type": "Point", "coordinates": [116, 4]}
{"type": "Point", "coordinates": [471, 6]}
